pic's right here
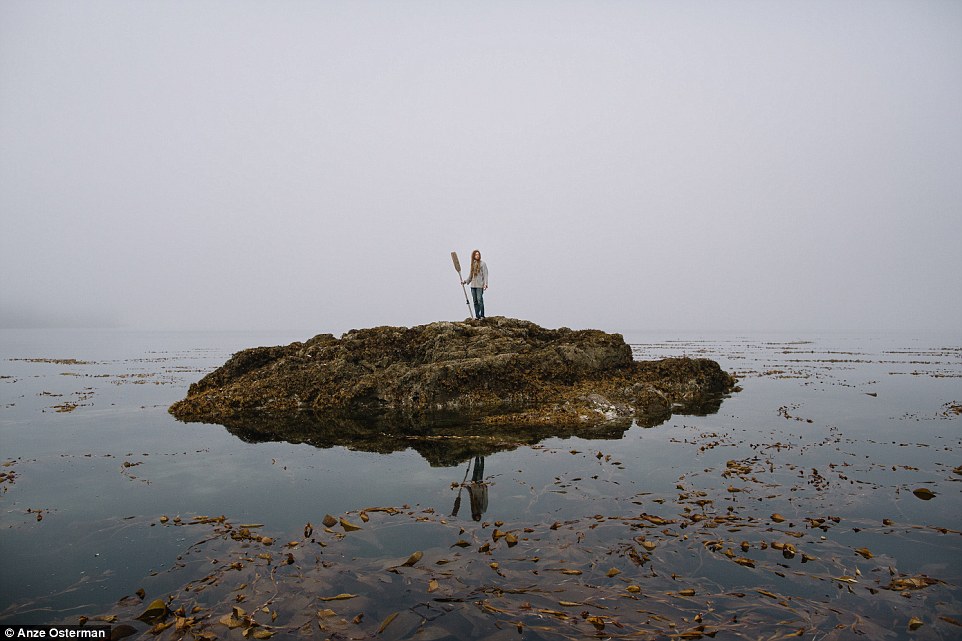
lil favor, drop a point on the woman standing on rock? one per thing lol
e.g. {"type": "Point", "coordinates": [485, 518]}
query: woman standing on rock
{"type": "Point", "coordinates": [479, 282]}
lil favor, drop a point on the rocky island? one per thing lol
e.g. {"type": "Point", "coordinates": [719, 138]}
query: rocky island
{"type": "Point", "coordinates": [496, 372]}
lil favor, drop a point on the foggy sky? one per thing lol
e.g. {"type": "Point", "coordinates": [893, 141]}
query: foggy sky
{"type": "Point", "coordinates": [689, 166]}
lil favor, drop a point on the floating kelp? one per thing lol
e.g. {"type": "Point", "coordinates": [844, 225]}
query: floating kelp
{"type": "Point", "coordinates": [791, 514]}
{"type": "Point", "coordinates": [694, 565]}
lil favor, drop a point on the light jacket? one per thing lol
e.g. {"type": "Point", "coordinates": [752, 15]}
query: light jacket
{"type": "Point", "coordinates": [481, 278]}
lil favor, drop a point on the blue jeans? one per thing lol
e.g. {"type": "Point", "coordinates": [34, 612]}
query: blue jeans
{"type": "Point", "coordinates": [477, 293]}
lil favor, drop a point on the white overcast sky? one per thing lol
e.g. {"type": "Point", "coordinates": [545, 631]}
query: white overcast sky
{"type": "Point", "coordinates": [660, 165]}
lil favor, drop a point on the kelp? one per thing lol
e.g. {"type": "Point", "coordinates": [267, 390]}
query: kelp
{"type": "Point", "coordinates": [763, 536]}
{"type": "Point", "coordinates": [701, 564]}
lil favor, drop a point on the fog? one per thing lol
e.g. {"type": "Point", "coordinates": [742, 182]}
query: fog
{"type": "Point", "coordinates": [662, 166]}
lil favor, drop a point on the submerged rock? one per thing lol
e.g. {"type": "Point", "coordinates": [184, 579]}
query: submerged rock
{"type": "Point", "coordinates": [499, 371]}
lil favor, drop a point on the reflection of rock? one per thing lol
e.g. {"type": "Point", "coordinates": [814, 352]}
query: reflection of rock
{"type": "Point", "coordinates": [504, 371]}
{"type": "Point", "coordinates": [442, 441]}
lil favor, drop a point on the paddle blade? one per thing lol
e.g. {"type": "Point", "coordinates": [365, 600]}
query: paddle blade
{"type": "Point", "coordinates": [457, 263]}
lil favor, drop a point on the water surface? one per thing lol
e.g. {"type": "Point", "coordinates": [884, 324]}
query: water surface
{"type": "Point", "coordinates": [794, 509]}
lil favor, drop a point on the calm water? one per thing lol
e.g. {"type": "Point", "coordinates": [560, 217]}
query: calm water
{"type": "Point", "coordinates": [796, 507]}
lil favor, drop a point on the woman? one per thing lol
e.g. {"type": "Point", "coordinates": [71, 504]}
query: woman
{"type": "Point", "coordinates": [479, 282]}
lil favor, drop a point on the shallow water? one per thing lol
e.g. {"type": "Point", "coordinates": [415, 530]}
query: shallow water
{"type": "Point", "coordinates": [649, 532]}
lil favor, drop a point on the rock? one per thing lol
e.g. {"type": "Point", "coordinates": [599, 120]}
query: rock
{"type": "Point", "coordinates": [499, 371]}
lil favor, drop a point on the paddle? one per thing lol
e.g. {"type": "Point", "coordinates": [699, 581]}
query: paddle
{"type": "Point", "coordinates": [457, 501]}
{"type": "Point", "coordinates": [457, 267]}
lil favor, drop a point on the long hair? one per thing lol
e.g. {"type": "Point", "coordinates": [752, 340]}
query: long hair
{"type": "Point", "coordinates": [475, 264]}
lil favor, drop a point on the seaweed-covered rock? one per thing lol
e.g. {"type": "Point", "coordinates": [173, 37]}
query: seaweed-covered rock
{"type": "Point", "coordinates": [499, 370]}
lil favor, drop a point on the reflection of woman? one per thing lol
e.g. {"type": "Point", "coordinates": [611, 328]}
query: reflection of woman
{"type": "Point", "coordinates": [478, 475]}
{"type": "Point", "coordinates": [478, 490]}
{"type": "Point", "coordinates": [479, 282]}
